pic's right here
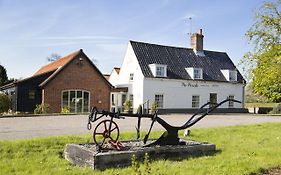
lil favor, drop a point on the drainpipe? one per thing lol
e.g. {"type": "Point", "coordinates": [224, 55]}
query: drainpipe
{"type": "Point", "coordinates": [243, 94]}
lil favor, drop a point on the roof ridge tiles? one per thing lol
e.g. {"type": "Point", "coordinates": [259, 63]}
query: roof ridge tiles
{"type": "Point", "coordinates": [57, 63]}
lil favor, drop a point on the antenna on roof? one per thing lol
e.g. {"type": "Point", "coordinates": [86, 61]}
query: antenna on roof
{"type": "Point", "coordinates": [190, 25]}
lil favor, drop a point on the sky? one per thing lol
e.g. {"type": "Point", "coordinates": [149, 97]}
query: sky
{"type": "Point", "coordinates": [31, 30]}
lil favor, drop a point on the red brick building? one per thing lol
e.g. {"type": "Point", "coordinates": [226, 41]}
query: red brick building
{"type": "Point", "coordinates": [72, 81]}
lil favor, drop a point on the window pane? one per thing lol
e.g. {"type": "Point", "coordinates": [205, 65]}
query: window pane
{"type": "Point", "coordinates": [232, 76]}
{"type": "Point", "coordinates": [197, 74]}
{"type": "Point", "coordinates": [86, 102]}
{"type": "Point", "coordinates": [131, 76]}
{"type": "Point", "coordinates": [159, 100]}
{"type": "Point", "coordinates": [65, 99]}
{"type": "Point", "coordinates": [231, 103]}
{"type": "Point", "coordinates": [72, 101]}
{"type": "Point", "coordinates": [112, 100]}
{"type": "Point", "coordinates": [160, 71]}
{"type": "Point", "coordinates": [132, 98]}
{"type": "Point", "coordinates": [195, 101]}
{"type": "Point", "coordinates": [79, 101]}
{"type": "Point", "coordinates": [31, 94]}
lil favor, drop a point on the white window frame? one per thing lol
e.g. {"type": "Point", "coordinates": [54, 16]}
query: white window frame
{"type": "Point", "coordinates": [156, 68]}
{"type": "Point", "coordinates": [199, 75]}
{"type": "Point", "coordinates": [191, 71]}
{"type": "Point", "coordinates": [160, 71]}
{"type": "Point", "coordinates": [160, 104]}
{"type": "Point", "coordinates": [195, 102]}
{"type": "Point", "coordinates": [231, 103]}
{"type": "Point", "coordinates": [68, 100]}
{"type": "Point", "coordinates": [232, 75]}
{"type": "Point", "coordinates": [131, 99]}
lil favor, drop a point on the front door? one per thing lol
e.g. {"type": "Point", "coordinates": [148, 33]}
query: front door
{"type": "Point", "coordinates": [213, 99]}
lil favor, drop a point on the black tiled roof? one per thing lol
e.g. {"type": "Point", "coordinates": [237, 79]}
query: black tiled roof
{"type": "Point", "coordinates": [179, 58]}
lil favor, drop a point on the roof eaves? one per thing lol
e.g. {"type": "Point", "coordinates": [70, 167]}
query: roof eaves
{"type": "Point", "coordinates": [8, 86]}
{"type": "Point", "coordinates": [50, 77]}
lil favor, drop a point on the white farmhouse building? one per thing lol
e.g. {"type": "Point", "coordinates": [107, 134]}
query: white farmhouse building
{"type": "Point", "coordinates": [178, 79]}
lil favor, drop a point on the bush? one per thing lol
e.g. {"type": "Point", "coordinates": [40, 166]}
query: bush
{"type": "Point", "coordinates": [128, 106]}
{"type": "Point", "coordinates": [276, 110]}
{"type": "Point", "coordinates": [154, 107]}
{"type": "Point", "coordinates": [65, 110]}
{"type": "Point", "coordinates": [42, 108]}
{"type": "Point", "coordinates": [4, 103]}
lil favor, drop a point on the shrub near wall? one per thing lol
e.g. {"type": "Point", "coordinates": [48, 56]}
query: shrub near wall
{"type": "Point", "coordinates": [43, 108]}
{"type": "Point", "coordinates": [4, 103]}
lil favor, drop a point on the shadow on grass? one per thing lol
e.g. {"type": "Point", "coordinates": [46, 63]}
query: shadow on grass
{"type": "Point", "coordinates": [263, 171]}
{"type": "Point", "coordinates": [211, 153]}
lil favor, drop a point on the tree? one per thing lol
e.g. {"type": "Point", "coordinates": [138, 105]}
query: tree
{"type": "Point", "coordinates": [4, 103]}
{"type": "Point", "coordinates": [3, 76]}
{"type": "Point", "coordinates": [53, 57]}
{"type": "Point", "coordinates": [264, 62]}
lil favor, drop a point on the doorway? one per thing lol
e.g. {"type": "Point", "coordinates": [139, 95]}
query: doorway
{"type": "Point", "coordinates": [213, 99]}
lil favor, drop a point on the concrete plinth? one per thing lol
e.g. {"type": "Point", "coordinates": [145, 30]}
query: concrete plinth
{"type": "Point", "coordinates": [87, 154]}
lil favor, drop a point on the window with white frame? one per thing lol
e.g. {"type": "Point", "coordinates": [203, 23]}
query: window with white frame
{"type": "Point", "coordinates": [197, 73]}
{"type": "Point", "coordinates": [131, 76]}
{"type": "Point", "coordinates": [159, 99]}
{"type": "Point", "coordinates": [112, 99]}
{"type": "Point", "coordinates": [76, 101]}
{"type": "Point", "coordinates": [158, 70]}
{"type": "Point", "coordinates": [233, 75]}
{"type": "Point", "coordinates": [230, 75]}
{"type": "Point", "coordinates": [195, 101]}
{"type": "Point", "coordinates": [231, 103]}
{"type": "Point", "coordinates": [131, 99]}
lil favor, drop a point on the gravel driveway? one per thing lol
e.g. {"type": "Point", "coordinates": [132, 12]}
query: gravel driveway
{"type": "Point", "coordinates": [29, 127]}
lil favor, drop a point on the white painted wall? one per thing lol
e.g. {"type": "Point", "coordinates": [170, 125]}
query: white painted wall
{"type": "Point", "coordinates": [178, 93]}
{"type": "Point", "coordinates": [113, 78]}
{"type": "Point", "coordinates": [135, 87]}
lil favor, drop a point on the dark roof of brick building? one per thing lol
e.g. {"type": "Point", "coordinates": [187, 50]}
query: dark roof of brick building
{"type": "Point", "coordinates": [179, 58]}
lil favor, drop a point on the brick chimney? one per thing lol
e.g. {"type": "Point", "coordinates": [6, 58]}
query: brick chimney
{"type": "Point", "coordinates": [197, 43]}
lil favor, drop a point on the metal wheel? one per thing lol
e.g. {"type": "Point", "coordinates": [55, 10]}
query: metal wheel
{"type": "Point", "coordinates": [102, 133]}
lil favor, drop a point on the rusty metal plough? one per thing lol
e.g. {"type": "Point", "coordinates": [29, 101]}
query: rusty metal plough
{"type": "Point", "coordinates": [107, 131]}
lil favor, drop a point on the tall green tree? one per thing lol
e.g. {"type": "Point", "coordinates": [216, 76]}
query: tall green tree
{"type": "Point", "coordinates": [3, 76]}
{"type": "Point", "coordinates": [264, 61]}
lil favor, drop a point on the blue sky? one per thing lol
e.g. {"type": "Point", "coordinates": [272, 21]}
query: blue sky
{"type": "Point", "coordinates": [31, 30]}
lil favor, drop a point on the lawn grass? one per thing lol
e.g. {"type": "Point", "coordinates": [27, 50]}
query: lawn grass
{"type": "Point", "coordinates": [241, 150]}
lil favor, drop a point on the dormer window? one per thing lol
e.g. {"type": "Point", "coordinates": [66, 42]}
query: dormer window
{"type": "Point", "coordinates": [195, 73]}
{"type": "Point", "coordinates": [158, 70]}
{"type": "Point", "coordinates": [230, 75]}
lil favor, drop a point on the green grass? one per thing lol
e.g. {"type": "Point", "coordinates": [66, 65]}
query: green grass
{"type": "Point", "coordinates": [242, 150]}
